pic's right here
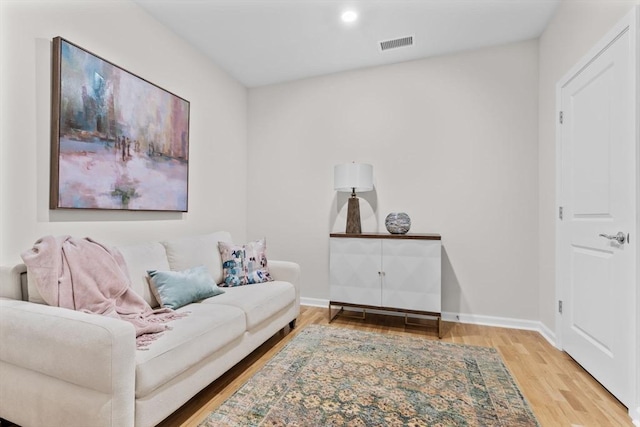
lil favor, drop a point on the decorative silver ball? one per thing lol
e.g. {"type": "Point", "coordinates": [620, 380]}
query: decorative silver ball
{"type": "Point", "coordinates": [397, 223]}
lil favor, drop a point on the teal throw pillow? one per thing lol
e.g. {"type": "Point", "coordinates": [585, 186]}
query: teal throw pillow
{"type": "Point", "coordinates": [174, 289]}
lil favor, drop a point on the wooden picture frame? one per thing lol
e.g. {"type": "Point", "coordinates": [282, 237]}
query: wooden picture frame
{"type": "Point", "coordinates": [118, 142]}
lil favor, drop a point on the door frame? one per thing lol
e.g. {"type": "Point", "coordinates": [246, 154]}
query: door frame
{"type": "Point", "coordinates": [631, 23]}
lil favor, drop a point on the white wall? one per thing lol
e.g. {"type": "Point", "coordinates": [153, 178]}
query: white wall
{"type": "Point", "coordinates": [576, 27]}
{"type": "Point", "coordinates": [450, 139]}
{"type": "Point", "coordinates": [453, 142]}
{"type": "Point", "coordinates": [123, 33]}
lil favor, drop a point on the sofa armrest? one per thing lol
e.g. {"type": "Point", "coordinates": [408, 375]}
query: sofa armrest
{"type": "Point", "coordinates": [286, 271]}
{"type": "Point", "coordinates": [63, 367]}
{"type": "Point", "coordinates": [10, 284]}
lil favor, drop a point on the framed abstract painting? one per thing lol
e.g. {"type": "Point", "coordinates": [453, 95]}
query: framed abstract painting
{"type": "Point", "coordinates": [118, 141]}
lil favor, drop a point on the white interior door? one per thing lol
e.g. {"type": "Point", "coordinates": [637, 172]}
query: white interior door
{"type": "Point", "coordinates": [598, 194]}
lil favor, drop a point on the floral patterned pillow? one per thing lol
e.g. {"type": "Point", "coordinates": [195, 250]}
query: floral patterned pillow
{"type": "Point", "coordinates": [232, 264]}
{"type": "Point", "coordinates": [244, 265]}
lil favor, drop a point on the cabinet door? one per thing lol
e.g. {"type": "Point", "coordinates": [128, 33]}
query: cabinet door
{"type": "Point", "coordinates": [411, 274]}
{"type": "Point", "coordinates": [353, 271]}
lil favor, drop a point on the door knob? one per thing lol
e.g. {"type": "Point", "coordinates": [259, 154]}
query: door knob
{"type": "Point", "coordinates": [620, 237]}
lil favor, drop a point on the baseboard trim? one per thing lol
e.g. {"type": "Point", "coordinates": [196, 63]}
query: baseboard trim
{"type": "Point", "coordinates": [474, 319]}
{"type": "Point", "coordinates": [502, 322]}
{"type": "Point", "coordinates": [548, 334]}
{"type": "Point", "coordinates": [314, 302]}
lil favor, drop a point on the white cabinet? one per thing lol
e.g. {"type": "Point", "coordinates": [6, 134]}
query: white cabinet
{"type": "Point", "coordinates": [386, 271]}
{"type": "Point", "coordinates": [354, 271]}
{"type": "Point", "coordinates": [411, 274]}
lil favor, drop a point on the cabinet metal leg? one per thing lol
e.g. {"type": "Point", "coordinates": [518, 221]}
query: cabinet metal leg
{"type": "Point", "coordinates": [438, 319]}
{"type": "Point", "coordinates": [333, 316]}
{"type": "Point", "coordinates": [341, 312]}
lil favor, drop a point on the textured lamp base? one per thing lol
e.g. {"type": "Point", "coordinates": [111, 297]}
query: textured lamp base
{"type": "Point", "coordinates": [353, 216]}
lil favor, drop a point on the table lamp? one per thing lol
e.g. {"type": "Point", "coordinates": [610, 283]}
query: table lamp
{"type": "Point", "coordinates": [352, 177]}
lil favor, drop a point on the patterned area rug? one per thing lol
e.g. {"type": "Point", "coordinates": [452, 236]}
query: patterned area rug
{"type": "Point", "coordinates": [329, 376]}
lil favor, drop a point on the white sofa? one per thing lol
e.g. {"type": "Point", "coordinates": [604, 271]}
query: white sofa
{"type": "Point", "coordinates": [60, 367]}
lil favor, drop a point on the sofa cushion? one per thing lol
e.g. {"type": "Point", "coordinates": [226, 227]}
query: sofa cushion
{"type": "Point", "coordinates": [259, 301]}
{"type": "Point", "coordinates": [187, 252]}
{"type": "Point", "coordinates": [175, 289]}
{"type": "Point", "coordinates": [206, 329]}
{"type": "Point", "coordinates": [139, 259]}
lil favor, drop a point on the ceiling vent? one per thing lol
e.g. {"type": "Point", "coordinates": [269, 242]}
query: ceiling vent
{"type": "Point", "coordinates": [396, 43]}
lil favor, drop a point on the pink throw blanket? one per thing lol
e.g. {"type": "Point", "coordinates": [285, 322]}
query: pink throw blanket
{"type": "Point", "coordinates": [84, 275]}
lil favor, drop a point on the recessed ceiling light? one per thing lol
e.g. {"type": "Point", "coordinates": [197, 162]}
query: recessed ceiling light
{"type": "Point", "coordinates": [349, 16]}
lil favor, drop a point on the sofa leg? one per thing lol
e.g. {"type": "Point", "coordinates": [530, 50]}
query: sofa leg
{"type": "Point", "coordinates": [292, 324]}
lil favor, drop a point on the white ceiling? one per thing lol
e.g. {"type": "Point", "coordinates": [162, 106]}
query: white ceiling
{"type": "Point", "coordinates": [261, 42]}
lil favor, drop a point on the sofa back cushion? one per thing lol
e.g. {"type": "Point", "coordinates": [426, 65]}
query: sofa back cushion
{"type": "Point", "coordinates": [188, 252]}
{"type": "Point", "coordinates": [140, 258]}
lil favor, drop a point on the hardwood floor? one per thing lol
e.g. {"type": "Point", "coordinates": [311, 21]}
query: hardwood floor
{"type": "Point", "coordinates": [559, 391]}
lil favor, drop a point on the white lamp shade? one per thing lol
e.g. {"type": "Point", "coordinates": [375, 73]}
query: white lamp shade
{"type": "Point", "coordinates": [353, 175]}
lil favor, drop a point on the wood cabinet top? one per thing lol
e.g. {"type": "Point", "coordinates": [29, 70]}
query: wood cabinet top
{"type": "Point", "coordinates": [408, 236]}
